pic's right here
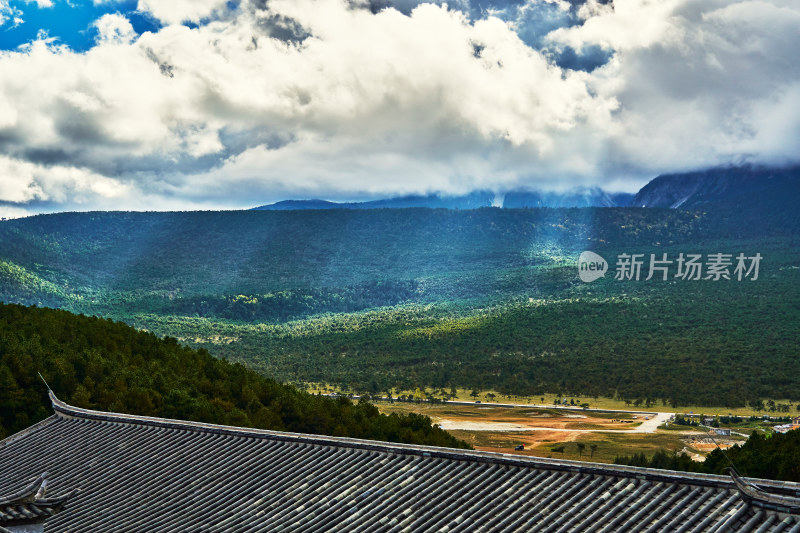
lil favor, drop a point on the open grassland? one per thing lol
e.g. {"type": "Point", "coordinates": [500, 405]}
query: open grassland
{"type": "Point", "coordinates": [541, 444]}
{"type": "Point", "coordinates": [558, 433]}
{"type": "Point", "coordinates": [487, 415]}
{"type": "Point", "coordinates": [547, 400]}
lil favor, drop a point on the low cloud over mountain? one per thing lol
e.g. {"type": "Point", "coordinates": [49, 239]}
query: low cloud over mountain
{"type": "Point", "coordinates": [213, 103]}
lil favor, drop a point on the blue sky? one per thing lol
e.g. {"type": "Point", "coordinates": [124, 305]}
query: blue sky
{"type": "Point", "coordinates": [185, 104]}
{"type": "Point", "coordinates": [70, 22]}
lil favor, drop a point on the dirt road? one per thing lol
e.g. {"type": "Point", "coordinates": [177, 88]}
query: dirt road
{"type": "Point", "coordinates": [647, 426]}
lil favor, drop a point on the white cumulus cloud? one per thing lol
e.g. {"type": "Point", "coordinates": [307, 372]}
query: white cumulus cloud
{"type": "Point", "coordinates": [699, 82]}
{"type": "Point", "coordinates": [115, 28]}
{"type": "Point", "coordinates": [177, 11]}
{"type": "Point", "coordinates": [21, 182]}
{"type": "Point", "coordinates": [9, 15]}
{"type": "Point", "coordinates": [327, 98]}
{"type": "Point", "coordinates": [41, 3]}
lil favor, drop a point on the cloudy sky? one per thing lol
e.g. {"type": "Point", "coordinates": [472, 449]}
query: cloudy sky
{"type": "Point", "coordinates": [200, 104]}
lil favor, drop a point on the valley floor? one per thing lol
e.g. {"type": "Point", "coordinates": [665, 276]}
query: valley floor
{"type": "Point", "coordinates": [547, 431]}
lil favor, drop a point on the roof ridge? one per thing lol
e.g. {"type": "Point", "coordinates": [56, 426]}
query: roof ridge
{"type": "Point", "coordinates": [65, 410]}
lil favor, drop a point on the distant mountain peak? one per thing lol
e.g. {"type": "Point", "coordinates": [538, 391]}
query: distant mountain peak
{"type": "Point", "coordinates": [576, 197]}
{"type": "Point", "coordinates": [718, 186]}
{"type": "Point", "coordinates": [473, 200]}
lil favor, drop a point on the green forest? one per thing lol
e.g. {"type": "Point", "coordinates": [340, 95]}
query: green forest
{"type": "Point", "coordinates": [487, 299]}
{"type": "Point", "coordinates": [100, 364]}
{"type": "Point", "coordinates": [775, 456]}
{"type": "Point", "coordinates": [694, 344]}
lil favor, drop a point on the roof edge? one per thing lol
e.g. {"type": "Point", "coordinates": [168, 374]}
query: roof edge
{"type": "Point", "coordinates": [27, 493]}
{"type": "Point", "coordinates": [18, 505]}
{"type": "Point", "coordinates": [64, 410]}
{"type": "Point", "coordinates": [28, 430]}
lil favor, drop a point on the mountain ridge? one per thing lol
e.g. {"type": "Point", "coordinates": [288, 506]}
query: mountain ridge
{"type": "Point", "coordinates": [688, 190]}
{"type": "Point", "coordinates": [576, 197]}
{"type": "Point", "coordinates": [718, 186]}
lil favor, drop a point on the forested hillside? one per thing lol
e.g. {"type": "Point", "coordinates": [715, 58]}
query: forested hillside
{"type": "Point", "coordinates": [708, 344]}
{"type": "Point", "coordinates": [105, 365]}
{"type": "Point", "coordinates": [774, 456]}
{"type": "Point", "coordinates": [275, 266]}
{"type": "Point", "coordinates": [488, 298]}
{"type": "Point", "coordinates": [176, 255]}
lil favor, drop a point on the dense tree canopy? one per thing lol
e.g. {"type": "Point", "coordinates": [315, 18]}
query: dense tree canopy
{"type": "Point", "coordinates": [775, 456]}
{"type": "Point", "coordinates": [101, 364]}
{"type": "Point", "coordinates": [486, 298]}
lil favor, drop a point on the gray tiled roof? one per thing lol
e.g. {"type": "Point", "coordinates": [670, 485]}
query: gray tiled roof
{"type": "Point", "coordinates": [155, 475]}
{"type": "Point", "coordinates": [29, 505]}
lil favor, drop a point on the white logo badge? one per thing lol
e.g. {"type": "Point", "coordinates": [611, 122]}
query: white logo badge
{"type": "Point", "coordinates": [591, 266]}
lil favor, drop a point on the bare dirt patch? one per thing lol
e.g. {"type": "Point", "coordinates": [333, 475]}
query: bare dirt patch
{"type": "Point", "coordinates": [547, 432]}
{"type": "Point", "coordinates": [707, 445]}
{"type": "Point", "coordinates": [522, 420]}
